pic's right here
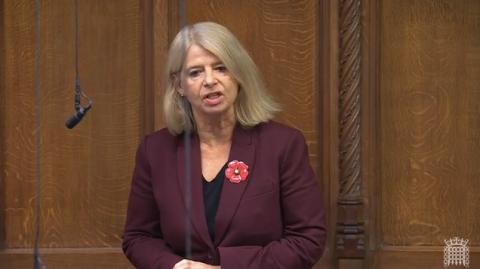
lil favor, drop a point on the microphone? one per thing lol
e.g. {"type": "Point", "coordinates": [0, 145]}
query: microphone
{"type": "Point", "coordinates": [77, 117]}
{"type": "Point", "coordinates": [80, 111]}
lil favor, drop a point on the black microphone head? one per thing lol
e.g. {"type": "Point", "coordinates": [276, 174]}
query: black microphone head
{"type": "Point", "coordinates": [76, 118]}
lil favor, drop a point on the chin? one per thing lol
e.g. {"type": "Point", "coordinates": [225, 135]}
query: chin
{"type": "Point", "coordinates": [216, 111]}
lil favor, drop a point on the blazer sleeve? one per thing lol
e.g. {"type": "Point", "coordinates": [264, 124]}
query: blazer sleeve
{"type": "Point", "coordinates": [142, 240]}
{"type": "Point", "coordinates": [304, 232]}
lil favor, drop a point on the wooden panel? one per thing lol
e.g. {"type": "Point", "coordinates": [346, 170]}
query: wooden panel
{"type": "Point", "coordinates": [430, 106]}
{"type": "Point", "coordinates": [165, 26]}
{"type": "Point", "coordinates": [85, 172]}
{"type": "Point", "coordinates": [68, 259]}
{"type": "Point", "coordinates": [370, 126]}
{"type": "Point", "coordinates": [2, 124]}
{"type": "Point", "coordinates": [328, 118]}
{"type": "Point", "coordinates": [18, 118]}
{"type": "Point", "coordinates": [417, 257]}
{"type": "Point", "coordinates": [282, 38]}
{"type": "Point", "coordinates": [421, 96]}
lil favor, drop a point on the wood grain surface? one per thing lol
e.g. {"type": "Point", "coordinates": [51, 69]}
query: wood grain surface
{"type": "Point", "coordinates": [94, 259]}
{"type": "Point", "coordinates": [282, 38]}
{"type": "Point", "coordinates": [417, 258]}
{"type": "Point", "coordinates": [420, 116]}
{"type": "Point", "coordinates": [430, 127]}
{"type": "Point", "coordinates": [85, 172]}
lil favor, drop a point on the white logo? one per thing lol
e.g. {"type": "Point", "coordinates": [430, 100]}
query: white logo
{"type": "Point", "coordinates": [456, 252]}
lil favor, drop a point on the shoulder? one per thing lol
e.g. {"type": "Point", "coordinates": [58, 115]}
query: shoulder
{"type": "Point", "coordinates": [159, 140]}
{"type": "Point", "coordinates": [277, 130]}
{"type": "Point", "coordinates": [278, 136]}
{"type": "Point", "coordinates": [278, 141]}
{"type": "Point", "coordinates": [162, 135]}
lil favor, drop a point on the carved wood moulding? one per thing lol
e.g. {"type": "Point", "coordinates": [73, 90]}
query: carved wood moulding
{"type": "Point", "coordinates": [350, 233]}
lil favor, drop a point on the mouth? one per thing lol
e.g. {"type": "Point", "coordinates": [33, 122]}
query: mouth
{"type": "Point", "coordinates": [213, 95]}
{"type": "Point", "coordinates": [213, 98]}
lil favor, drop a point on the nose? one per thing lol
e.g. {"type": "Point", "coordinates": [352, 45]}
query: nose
{"type": "Point", "coordinates": [210, 79]}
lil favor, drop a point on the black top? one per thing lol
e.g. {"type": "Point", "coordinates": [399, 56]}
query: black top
{"type": "Point", "coordinates": [211, 198]}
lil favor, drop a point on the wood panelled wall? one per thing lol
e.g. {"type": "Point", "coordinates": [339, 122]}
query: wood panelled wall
{"type": "Point", "coordinates": [429, 118]}
{"type": "Point", "coordinates": [427, 132]}
{"type": "Point", "coordinates": [399, 78]}
{"type": "Point", "coordinates": [282, 38]}
{"type": "Point", "coordinates": [85, 172]}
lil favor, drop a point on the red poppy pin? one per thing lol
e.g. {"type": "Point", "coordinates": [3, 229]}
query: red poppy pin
{"type": "Point", "coordinates": [237, 171]}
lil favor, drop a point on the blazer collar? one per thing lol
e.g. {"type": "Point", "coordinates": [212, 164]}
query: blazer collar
{"type": "Point", "coordinates": [193, 185]}
{"type": "Point", "coordinates": [242, 149]}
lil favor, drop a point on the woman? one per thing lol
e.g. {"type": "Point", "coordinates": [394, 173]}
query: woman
{"type": "Point", "coordinates": [255, 202]}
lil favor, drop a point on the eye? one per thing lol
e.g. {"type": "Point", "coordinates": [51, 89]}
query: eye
{"type": "Point", "coordinates": [194, 73]}
{"type": "Point", "coordinates": [221, 68]}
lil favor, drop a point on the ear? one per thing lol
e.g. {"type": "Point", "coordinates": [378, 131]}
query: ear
{"type": "Point", "coordinates": [177, 84]}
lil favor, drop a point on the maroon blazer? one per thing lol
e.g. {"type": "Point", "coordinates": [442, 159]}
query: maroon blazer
{"type": "Point", "coordinates": [274, 219]}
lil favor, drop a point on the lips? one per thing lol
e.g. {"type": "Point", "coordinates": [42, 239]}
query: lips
{"type": "Point", "coordinates": [213, 95]}
{"type": "Point", "coordinates": [213, 98]}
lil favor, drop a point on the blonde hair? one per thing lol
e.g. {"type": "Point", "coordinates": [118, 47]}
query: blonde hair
{"type": "Point", "coordinates": [252, 106]}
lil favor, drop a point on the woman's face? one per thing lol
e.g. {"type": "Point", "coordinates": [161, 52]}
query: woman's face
{"type": "Point", "coordinates": [207, 84]}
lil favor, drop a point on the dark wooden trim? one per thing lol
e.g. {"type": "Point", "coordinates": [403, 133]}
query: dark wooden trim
{"type": "Point", "coordinates": [165, 25]}
{"type": "Point", "coordinates": [2, 123]}
{"type": "Point", "coordinates": [350, 237]}
{"type": "Point", "coordinates": [328, 119]}
{"type": "Point", "coordinates": [146, 9]}
{"type": "Point", "coordinates": [414, 258]}
{"type": "Point", "coordinates": [82, 250]}
{"type": "Point", "coordinates": [69, 260]}
{"type": "Point", "coordinates": [370, 121]}
{"type": "Point", "coordinates": [174, 18]}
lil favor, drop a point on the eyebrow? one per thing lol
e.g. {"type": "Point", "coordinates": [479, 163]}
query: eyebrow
{"type": "Point", "coordinates": [201, 66]}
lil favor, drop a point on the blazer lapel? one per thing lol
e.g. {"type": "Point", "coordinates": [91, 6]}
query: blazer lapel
{"type": "Point", "coordinates": [242, 149]}
{"type": "Point", "coordinates": [198, 218]}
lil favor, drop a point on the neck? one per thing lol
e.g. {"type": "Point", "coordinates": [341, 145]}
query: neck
{"type": "Point", "coordinates": [214, 131]}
